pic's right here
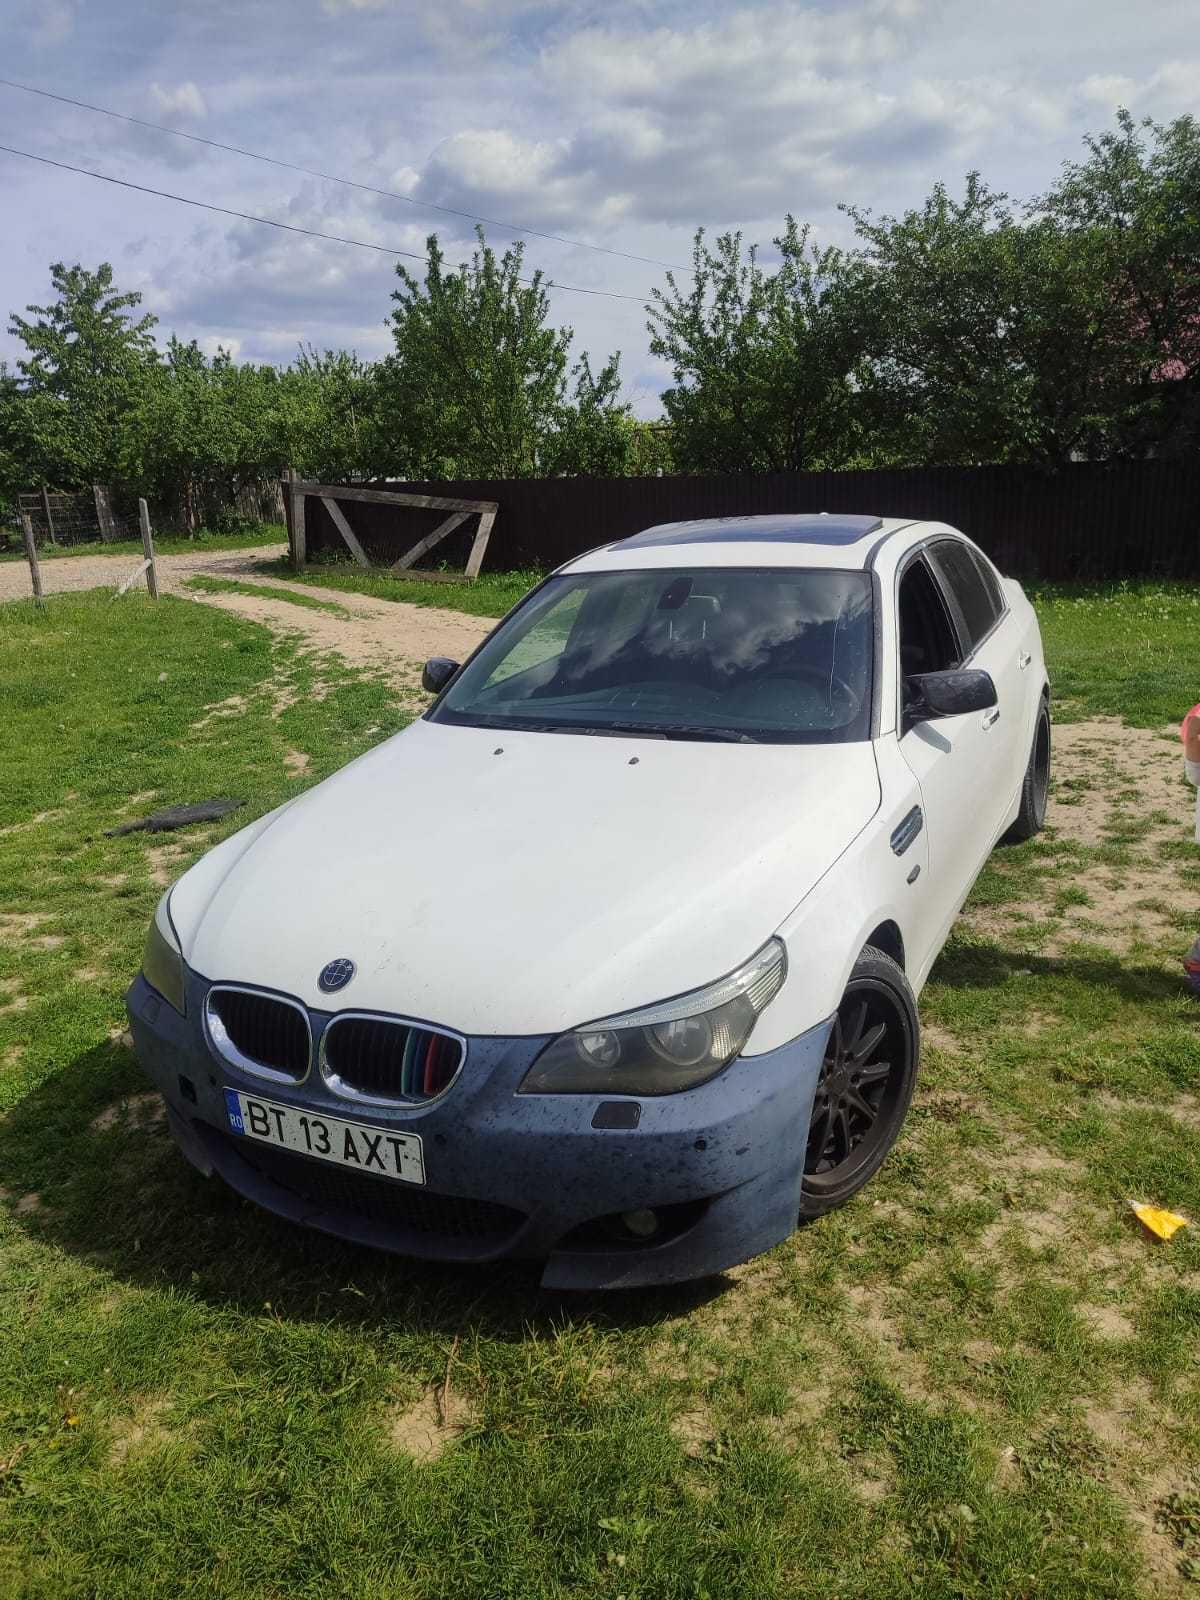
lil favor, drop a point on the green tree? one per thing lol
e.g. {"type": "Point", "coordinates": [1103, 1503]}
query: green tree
{"type": "Point", "coordinates": [325, 414]}
{"type": "Point", "coordinates": [1069, 326]}
{"type": "Point", "coordinates": [87, 359]}
{"type": "Point", "coordinates": [765, 362]}
{"type": "Point", "coordinates": [478, 385]}
{"type": "Point", "coordinates": [1139, 190]}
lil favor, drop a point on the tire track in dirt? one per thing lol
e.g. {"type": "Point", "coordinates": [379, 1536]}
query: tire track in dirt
{"type": "Point", "coordinates": [383, 636]}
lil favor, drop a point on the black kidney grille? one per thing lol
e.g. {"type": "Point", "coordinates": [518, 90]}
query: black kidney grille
{"type": "Point", "coordinates": [268, 1031]}
{"type": "Point", "coordinates": [390, 1060]}
{"type": "Point", "coordinates": [385, 1200]}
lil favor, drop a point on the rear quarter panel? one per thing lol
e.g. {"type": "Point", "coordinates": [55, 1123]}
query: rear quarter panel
{"type": "Point", "coordinates": [1028, 634]}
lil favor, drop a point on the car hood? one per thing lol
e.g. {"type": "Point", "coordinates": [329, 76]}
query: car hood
{"type": "Point", "coordinates": [523, 883]}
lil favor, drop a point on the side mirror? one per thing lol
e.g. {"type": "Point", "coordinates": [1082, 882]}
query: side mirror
{"type": "Point", "coordinates": [930, 695]}
{"type": "Point", "coordinates": [437, 672]}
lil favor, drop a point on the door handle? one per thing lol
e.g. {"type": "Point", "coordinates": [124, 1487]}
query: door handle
{"type": "Point", "coordinates": [1024, 659]}
{"type": "Point", "coordinates": [990, 718]}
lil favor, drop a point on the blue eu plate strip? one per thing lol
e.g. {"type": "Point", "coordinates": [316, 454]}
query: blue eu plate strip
{"type": "Point", "coordinates": [233, 1106]}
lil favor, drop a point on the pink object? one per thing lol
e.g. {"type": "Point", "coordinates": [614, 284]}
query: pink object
{"type": "Point", "coordinates": [1183, 726]}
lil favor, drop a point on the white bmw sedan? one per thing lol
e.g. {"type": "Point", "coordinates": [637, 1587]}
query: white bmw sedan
{"type": "Point", "coordinates": [611, 959]}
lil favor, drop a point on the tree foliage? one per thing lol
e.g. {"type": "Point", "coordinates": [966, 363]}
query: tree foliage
{"type": "Point", "coordinates": [765, 363]}
{"type": "Point", "coordinates": [970, 328]}
{"type": "Point", "coordinates": [1138, 191]}
{"type": "Point", "coordinates": [86, 361]}
{"type": "Point", "coordinates": [478, 386]}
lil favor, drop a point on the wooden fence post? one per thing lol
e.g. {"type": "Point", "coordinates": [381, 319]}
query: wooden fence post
{"type": "Point", "coordinates": [104, 516]}
{"type": "Point", "coordinates": [46, 514]}
{"type": "Point", "coordinates": [296, 502]}
{"type": "Point", "coordinates": [31, 556]}
{"type": "Point", "coordinates": [148, 549]}
{"type": "Point", "coordinates": [479, 548]}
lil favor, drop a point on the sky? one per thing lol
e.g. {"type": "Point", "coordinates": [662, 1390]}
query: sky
{"type": "Point", "coordinates": [626, 124]}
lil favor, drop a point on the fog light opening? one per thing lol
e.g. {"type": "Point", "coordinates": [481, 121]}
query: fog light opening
{"type": "Point", "coordinates": [643, 1224]}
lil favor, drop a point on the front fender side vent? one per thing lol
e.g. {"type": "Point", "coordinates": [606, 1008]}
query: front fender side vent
{"type": "Point", "coordinates": [907, 830]}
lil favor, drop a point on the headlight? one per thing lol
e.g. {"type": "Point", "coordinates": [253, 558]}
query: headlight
{"type": "Point", "coordinates": [666, 1047]}
{"type": "Point", "coordinates": [162, 963]}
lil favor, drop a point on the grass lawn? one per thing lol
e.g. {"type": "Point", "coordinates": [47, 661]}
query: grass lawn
{"type": "Point", "coordinates": [490, 595]}
{"type": "Point", "coordinates": [207, 584]}
{"type": "Point", "coordinates": [977, 1380]}
{"type": "Point", "coordinates": [1125, 650]}
{"type": "Point", "coordinates": [164, 544]}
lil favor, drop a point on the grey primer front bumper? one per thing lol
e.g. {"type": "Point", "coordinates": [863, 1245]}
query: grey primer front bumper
{"type": "Point", "coordinates": [516, 1175]}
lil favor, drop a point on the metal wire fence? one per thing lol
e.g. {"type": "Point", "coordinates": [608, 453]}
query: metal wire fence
{"type": "Point", "coordinates": [83, 518]}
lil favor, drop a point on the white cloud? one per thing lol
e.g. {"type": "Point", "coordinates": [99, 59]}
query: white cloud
{"type": "Point", "coordinates": [55, 21]}
{"type": "Point", "coordinates": [184, 100]}
{"type": "Point", "coordinates": [760, 49]}
{"type": "Point", "coordinates": [625, 122]}
{"type": "Point", "coordinates": [213, 344]}
{"type": "Point", "coordinates": [1170, 92]}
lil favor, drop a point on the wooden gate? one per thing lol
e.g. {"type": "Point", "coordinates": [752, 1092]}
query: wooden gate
{"type": "Point", "coordinates": [297, 490]}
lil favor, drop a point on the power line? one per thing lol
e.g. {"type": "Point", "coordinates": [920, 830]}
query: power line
{"type": "Point", "coordinates": [330, 177]}
{"type": "Point", "coordinates": [288, 227]}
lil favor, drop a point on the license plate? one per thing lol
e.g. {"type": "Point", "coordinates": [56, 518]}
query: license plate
{"type": "Point", "coordinates": [344, 1144]}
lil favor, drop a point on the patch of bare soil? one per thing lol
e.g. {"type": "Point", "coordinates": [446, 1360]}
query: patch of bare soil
{"type": "Point", "coordinates": [870, 1318]}
{"type": "Point", "coordinates": [424, 1430]}
{"type": "Point", "coordinates": [140, 1432]}
{"type": "Point", "coordinates": [144, 1112]}
{"type": "Point", "coordinates": [935, 1037]}
{"type": "Point", "coordinates": [1106, 1322]}
{"type": "Point", "coordinates": [1185, 1109]}
{"type": "Point", "coordinates": [21, 923]}
{"type": "Point", "coordinates": [136, 801]}
{"type": "Point", "coordinates": [296, 763]}
{"type": "Point", "coordinates": [99, 571]}
{"type": "Point", "coordinates": [1113, 785]}
{"type": "Point", "coordinates": [381, 636]}
{"type": "Point", "coordinates": [165, 861]}
{"type": "Point", "coordinates": [695, 1432]}
{"type": "Point", "coordinates": [232, 706]}
{"type": "Point", "coordinates": [32, 822]}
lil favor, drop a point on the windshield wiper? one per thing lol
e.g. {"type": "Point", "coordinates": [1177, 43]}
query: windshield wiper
{"type": "Point", "coordinates": [659, 730]}
{"type": "Point", "coordinates": [611, 730]}
{"type": "Point", "coordinates": [700, 730]}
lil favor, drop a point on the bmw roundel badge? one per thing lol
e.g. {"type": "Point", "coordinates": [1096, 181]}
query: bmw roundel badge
{"type": "Point", "coordinates": [335, 975]}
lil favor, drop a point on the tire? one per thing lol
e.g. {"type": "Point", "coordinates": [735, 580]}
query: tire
{"type": "Point", "coordinates": [1035, 788]}
{"type": "Point", "coordinates": [845, 1148]}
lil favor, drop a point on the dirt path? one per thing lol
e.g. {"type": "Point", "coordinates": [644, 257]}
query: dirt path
{"type": "Point", "coordinates": [1111, 872]}
{"type": "Point", "coordinates": [382, 634]}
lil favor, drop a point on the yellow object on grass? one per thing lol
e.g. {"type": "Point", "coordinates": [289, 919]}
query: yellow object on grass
{"type": "Point", "coordinates": [1160, 1223]}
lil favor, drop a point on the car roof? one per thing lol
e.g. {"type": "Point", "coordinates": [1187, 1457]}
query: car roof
{"type": "Point", "coordinates": [808, 539]}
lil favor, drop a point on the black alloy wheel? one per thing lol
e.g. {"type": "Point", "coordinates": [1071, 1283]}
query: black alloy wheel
{"type": "Point", "coordinates": [1035, 789]}
{"type": "Point", "coordinates": [866, 1083]}
{"type": "Point", "coordinates": [1041, 767]}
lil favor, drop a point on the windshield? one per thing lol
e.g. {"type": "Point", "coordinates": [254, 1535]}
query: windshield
{"type": "Point", "coordinates": [728, 653]}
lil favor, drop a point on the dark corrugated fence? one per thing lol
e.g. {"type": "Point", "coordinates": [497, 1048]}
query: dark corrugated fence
{"type": "Point", "coordinates": [1088, 520]}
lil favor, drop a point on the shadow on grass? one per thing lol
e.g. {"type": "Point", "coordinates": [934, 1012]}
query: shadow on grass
{"type": "Point", "coordinates": [989, 966]}
{"type": "Point", "coordinates": [111, 1188]}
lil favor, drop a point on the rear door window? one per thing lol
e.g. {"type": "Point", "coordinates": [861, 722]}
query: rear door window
{"type": "Point", "coordinates": [978, 603]}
